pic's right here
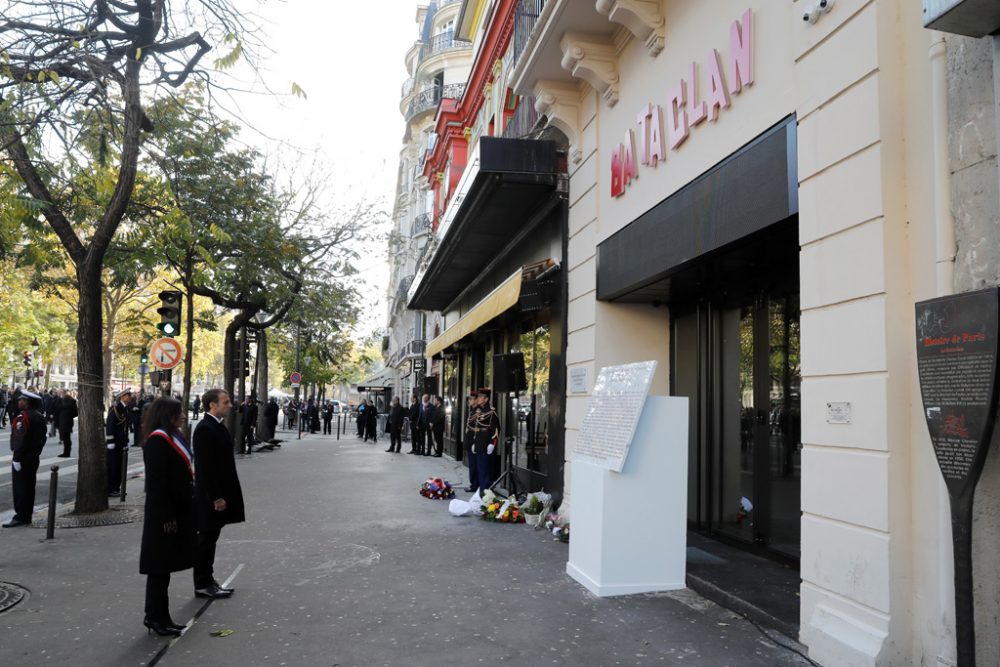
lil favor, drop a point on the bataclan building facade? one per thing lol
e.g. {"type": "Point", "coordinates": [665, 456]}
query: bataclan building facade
{"type": "Point", "coordinates": [758, 195]}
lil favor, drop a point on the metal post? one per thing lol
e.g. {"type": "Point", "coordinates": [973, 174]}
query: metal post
{"type": "Point", "coordinates": [298, 416]}
{"type": "Point", "coordinates": [50, 528]}
{"type": "Point", "coordinates": [124, 472]}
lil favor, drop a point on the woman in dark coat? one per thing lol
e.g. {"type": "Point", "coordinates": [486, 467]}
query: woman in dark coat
{"type": "Point", "coordinates": [168, 532]}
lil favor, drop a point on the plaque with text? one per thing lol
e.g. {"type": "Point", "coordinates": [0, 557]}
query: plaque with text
{"type": "Point", "coordinates": [957, 368]}
{"type": "Point", "coordinates": [613, 413]}
{"type": "Point", "coordinates": [957, 365]}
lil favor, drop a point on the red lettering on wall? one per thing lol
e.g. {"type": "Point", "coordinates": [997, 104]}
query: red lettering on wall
{"type": "Point", "coordinates": [677, 118]}
{"type": "Point", "coordinates": [741, 53]}
{"type": "Point", "coordinates": [617, 188]}
{"type": "Point", "coordinates": [630, 169]}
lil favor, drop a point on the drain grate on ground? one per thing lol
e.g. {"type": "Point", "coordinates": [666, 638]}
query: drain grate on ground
{"type": "Point", "coordinates": [10, 595]}
{"type": "Point", "coordinates": [112, 517]}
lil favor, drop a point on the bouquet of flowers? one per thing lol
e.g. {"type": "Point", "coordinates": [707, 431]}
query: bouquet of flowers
{"type": "Point", "coordinates": [437, 489]}
{"type": "Point", "coordinates": [504, 512]}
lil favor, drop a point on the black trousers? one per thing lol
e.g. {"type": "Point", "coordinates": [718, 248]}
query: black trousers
{"type": "Point", "coordinates": [114, 468]}
{"type": "Point", "coordinates": [395, 439]}
{"type": "Point", "coordinates": [204, 556]}
{"type": "Point", "coordinates": [23, 486]}
{"type": "Point", "coordinates": [414, 437]}
{"type": "Point", "coordinates": [327, 427]}
{"type": "Point", "coordinates": [66, 438]}
{"type": "Point", "coordinates": [438, 442]}
{"type": "Point", "coordinates": [157, 600]}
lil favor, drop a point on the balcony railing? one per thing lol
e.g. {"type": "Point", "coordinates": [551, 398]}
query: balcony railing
{"type": "Point", "coordinates": [525, 17]}
{"type": "Point", "coordinates": [404, 288]}
{"type": "Point", "coordinates": [406, 89]}
{"type": "Point", "coordinates": [440, 43]}
{"type": "Point", "coordinates": [430, 98]}
{"type": "Point", "coordinates": [421, 224]}
{"type": "Point", "coordinates": [523, 121]}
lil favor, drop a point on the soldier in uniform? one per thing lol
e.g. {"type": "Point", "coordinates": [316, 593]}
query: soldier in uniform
{"type": "Point", "coordinates": [471, 408]}
{"type": "Point", "coordinates": [486, 434]}
{"type": "Point", "coordinates": [116, 429]}
{"type": "Point", "coordinates": [27, 438]}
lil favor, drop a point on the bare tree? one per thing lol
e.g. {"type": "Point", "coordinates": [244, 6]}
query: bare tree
{"type": "Point", "coordinates": [72, 80]}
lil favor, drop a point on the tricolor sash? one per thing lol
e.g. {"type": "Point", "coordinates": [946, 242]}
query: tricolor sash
{"type": "Point", "coordinates": [179, 446]}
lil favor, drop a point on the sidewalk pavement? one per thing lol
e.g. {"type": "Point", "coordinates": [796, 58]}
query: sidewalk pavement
{"type": "Point", "coordinates": [341, 562]}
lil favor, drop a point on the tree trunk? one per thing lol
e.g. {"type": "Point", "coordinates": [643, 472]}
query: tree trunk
{"type": "Point", "coordinates": [92, 486]}
{"type": "Point", "coordinates": [262, 385]}
{"type": "Point", "coordinates": [108, 353]}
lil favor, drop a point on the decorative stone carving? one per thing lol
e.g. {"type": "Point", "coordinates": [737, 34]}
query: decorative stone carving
{"type": "Point", "coordinates": [559, 102]}
{"type": "Point", "coordinates": [643, 19]}
{"type": "Point", "coordinates": [592, 58]}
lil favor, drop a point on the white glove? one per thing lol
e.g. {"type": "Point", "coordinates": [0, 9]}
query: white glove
{"type": "Point", "coordinates": [111, 445]}
{"type": "Point", "coordinates": [17, 466]}
{"type": "Point", "coordinates": [490, 448]}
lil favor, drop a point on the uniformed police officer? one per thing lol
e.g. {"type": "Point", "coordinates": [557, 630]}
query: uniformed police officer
{"type": "Point", "coordinates": [116, 430]}
{"type": "Point", "coordinates": [27, 438]}
{"type": "Point", "coordinates": [486, 434]}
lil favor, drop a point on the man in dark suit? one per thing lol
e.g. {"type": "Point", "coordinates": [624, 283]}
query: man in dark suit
{"type": "Point", "coordinates": [437, 427]}
{"type": "Point", "coordinates": [424, 440]}
{"type": "Point", "coordinates": [27, 438]}
{"type": "Point", "coordinates": [414, 417]}
{"type": "Point", "coordinates": [218, 497]}
{"type": "Point", "coordinates": [394, 424]}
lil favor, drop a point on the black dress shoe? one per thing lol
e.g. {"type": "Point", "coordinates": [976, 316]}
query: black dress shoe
{"type": "Point", "coordinates": [63, 456]}
{"type": "Point", "coordinates": [438, 455]}
{"type": "Point", "coordinates": [212, 592]}
{"type": "Point", "coordinates": [469, 489]}
{"type": "Point", "coordinates": [390, 450]}
{"type": "Point", "coordinates": [15, 522]}
{"type": "Point", "coordinates": [162, 629]}
{"type": "Point", "coordinates": [221, 588]}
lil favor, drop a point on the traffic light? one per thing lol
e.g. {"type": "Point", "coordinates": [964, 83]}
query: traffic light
{"type": "Point", "coordinates": [170, 313]}
{"type": "Point", "coordinates": [144, 358]}
{"type": "Point", "coordinates": [27, 359]}
{"type": "Point", "coordinates": [235, 363]}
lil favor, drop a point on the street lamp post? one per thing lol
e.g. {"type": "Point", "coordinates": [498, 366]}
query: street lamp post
{"type": "Point", "coordinates": [34, 357]}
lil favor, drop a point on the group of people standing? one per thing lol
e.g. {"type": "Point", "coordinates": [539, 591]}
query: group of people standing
{"type": "Point", "coordinates": [57, 407]}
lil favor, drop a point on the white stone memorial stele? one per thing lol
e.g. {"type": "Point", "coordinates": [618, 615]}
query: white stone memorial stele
{"type": "Point", "coordinates": [629, 487]}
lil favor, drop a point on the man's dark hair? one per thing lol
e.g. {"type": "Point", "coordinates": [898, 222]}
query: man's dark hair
{"type": "Point", "coordinates": [211, 396]}
{"type": "Point", "coordinates": [161, 413]}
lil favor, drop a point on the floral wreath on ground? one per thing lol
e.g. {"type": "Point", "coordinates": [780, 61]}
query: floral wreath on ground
{"type": "Point", "coordinates": [437, 489]}
{"type": "Point", "coordinates": [503, 511]}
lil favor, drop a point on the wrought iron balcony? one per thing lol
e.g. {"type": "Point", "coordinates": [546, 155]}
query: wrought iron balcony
{"type": "Point", "coordinates": [404, 288]}
{"type": "Point", "coordinates": [406, 89]}
{"type": "Point", "coordinates": [421, 224]}
{"type": "Point", "coordinates": [525, 17]}
{"type": "Point", "coordinates": [415, 348]}
{"type": "Point", "coordinates": [440, 43]}
{"type": "Point", "coordinates": [430, 98]}
{"type": "Point", "coordinates": [523, 121]}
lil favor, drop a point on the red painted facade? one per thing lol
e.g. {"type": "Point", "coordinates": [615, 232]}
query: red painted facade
{"type": "Point", "coordinates": [451, 150]}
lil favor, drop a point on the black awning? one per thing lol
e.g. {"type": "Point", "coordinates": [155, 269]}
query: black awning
{"type": "Point", "coordinates": [749, 191]}
{"type": "Point", "coordinates": [515, 187]}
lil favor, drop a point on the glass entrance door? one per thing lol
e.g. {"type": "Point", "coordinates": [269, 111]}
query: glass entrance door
{"type": "Point", "coordinates": [737, 360]}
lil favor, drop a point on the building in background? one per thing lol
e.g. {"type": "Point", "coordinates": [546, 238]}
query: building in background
{"type": "Point", "coordinates": [495, 277]}
{"type": "Point", "coordinates": [438, 65]}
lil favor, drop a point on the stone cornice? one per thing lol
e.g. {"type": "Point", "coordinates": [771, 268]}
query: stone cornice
{"type": "Point", "coordinates": [643, 18]}
{"type": "Point", "coordinates": [593, 59]}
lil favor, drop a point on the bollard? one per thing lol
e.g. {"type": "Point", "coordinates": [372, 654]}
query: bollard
{"type": "Point", "coordinates": [50, 529]}
{"type": "Point", "coordinates": [339, 417]}
{"type": "Point", "coordinates": [121, 498]}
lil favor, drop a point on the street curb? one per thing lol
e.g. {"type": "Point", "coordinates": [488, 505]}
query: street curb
{"type": "Point", "coordinates": [746, 609]}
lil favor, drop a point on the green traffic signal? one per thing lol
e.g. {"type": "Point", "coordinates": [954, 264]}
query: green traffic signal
{"type": "Point", "coordinates": [170, 313]}
{"type": "Point", "coordinates": [143, 358]}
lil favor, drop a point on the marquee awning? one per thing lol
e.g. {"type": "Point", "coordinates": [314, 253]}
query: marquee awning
{"type": "Point", "coordinates": [497, 302]}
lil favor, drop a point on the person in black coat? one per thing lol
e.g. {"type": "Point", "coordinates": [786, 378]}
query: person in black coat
{"type": "Point", "coordinates": [217, 491]}
{"type": "Point", "coordinates": [27, 438]}
{"type": "Point", "coordinates": [394, 424]}
{"type": "Point", "coordinates": [68, 411]}
{"type": "Point", "coordinates": [371, 422]}
{"type": "Point", "coordinates": [426, 424]}
{"type": "Point", "coordinates": [413, 417]}
{"type": "Point", "coordinates": [271, 418]}
{"type": "Point", "coordinates": [168, 530]}
{"type": "Point", "coordinates": [437, 427]}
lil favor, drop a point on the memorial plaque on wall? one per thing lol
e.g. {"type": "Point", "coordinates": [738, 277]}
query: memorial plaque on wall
{"type": "Point", "coordinates": [613, 413]}
{"type": "Point", "coordinates": [957, 364]}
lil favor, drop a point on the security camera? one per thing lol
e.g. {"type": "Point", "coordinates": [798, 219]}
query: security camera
{"type": "Point", "coordinates": [825, 5]}
{"type": "Point", "coordinates": [811, 15]}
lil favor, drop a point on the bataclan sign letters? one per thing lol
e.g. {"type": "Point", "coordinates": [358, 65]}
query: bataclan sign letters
{"type": "Point", "coordinates": [685, 107]}
{"type": "Point", "coordinates": [957, 365]}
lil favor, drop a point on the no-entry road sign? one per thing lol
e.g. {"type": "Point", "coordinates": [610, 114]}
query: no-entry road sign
{"type": "Point", "coordinates": [165, 353]}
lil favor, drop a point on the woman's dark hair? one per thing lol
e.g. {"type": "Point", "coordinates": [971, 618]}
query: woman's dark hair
{"type": "Point", "coordinates": [161, 413]}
